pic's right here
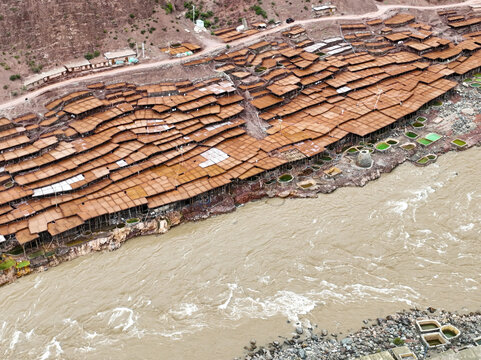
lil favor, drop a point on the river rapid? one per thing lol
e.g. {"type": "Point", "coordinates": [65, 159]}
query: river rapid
{"type": "Point", "coordinates": [203, 290]}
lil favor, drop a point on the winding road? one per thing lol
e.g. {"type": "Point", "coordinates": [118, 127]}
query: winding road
{"type": "Point", "coordinates": [210, 47]}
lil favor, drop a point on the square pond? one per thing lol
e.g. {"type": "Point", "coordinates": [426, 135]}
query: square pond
{"type": "Point", "coordinates": [433, 137]}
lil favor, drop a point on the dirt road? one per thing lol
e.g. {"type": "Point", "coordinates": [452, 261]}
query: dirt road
{"type": "Point", "coordinates": [211, 47]}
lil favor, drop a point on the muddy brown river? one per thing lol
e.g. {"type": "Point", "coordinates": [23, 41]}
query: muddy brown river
{"type": "Point", "coordinates": [203, 290]}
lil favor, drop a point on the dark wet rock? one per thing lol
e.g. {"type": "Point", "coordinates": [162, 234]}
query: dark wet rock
{"type": "Point", "coordinates": [38, 261]}
{"type": "Point", "coordinates": [60, 251]}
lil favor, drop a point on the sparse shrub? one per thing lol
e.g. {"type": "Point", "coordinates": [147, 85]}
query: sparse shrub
{"type": "Point", "coordinates": [96, 53]}
{"type": "Point", "coordinates": [36, 68]}
{"type": "Point", "coordinates": [14, 77]}
{"type": "Point", "coordinates": [168, 8]}
{"type": "Point", "coordinates": [398, 341]}
{"type": "Point", "coordinates": [5, 87]}
{"type": "Point", "coordinates": [89, 56]}
{"type": "Point", "coordinates": [132, 16]}
{"type": "Point", "coordinates": [259, 11]}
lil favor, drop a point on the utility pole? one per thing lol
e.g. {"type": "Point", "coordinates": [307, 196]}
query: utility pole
{"type": "Point", "coordinates": [143, 50]}
{"type": "Point", "coordinates": [193, 13]}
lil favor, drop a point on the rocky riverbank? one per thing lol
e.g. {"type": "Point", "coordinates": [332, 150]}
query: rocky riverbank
{"type": "Point", "coordinates": [457, 118]}
{"type": "Point", "coordinates": [310, 342]}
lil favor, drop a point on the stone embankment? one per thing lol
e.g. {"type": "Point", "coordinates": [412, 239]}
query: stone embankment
{"type": "Point", "coordinates": [310, 342]}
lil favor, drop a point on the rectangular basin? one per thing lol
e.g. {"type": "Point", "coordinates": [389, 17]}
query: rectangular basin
{"type": "Point", "coordinates": [428, 325]}
{"type": "Point", "coordinates": [433, 137]}
{"type": "Point", "coordinates": [434, 340]}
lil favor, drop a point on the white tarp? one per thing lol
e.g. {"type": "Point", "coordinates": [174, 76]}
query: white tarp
{"type": "Point", "coordinates": [58, 187]}
{"type": "Point", "coordinates": [213, 156]}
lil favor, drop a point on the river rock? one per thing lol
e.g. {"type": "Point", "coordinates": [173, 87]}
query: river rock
{"type": "Point", "coordinates": [120, 235]}
{"type": "Point", "coordinates": [149, 227]}
{"type": "Point", "coordinates": [226, 205]}
{"type": "Point", "coordinates": [163, 226]}
{"type": "Point", "coordinates": [174, 218]}
{"type": "Point", "coordinates": [284, 194]}
{"type": "Point", "coordinates": [324, 332]}
{"type": "Point", "coordinates": [39, 261]}
{"type": "Point", "coordinates": [7, 276]}
{"type": "Point", "coordinates": [468, 111]}
{"type": "Point", "coordinates": [62, 250]}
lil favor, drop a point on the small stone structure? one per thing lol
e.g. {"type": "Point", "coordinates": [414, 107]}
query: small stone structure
{"type": "Point", "coordinates": [364, 159]}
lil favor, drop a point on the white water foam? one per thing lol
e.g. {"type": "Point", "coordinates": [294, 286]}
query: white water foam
{"type": "Point", "coordinates": [466, 227]}
{"type": "Point", "coordinates": [122, 318]}
{"type": "Point", "coordinates": [184, 311]}
{"type": "Point", "coordinates": [232, 287]}
{"type": "Point", "coordinates": [52, 344]}
{"type": "Point", "coordinates": [284, 302]}
{"type": "Point", "coordinates": [15, 338]}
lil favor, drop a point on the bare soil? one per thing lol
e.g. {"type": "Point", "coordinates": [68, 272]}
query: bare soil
{"type": "Point", "coordinates": [46, 33]}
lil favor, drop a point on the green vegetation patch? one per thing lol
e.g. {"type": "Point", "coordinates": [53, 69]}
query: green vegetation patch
{"type": "Point", "coordinates": [259, 11]}
{"type": "Point", "coordinates": [16, 251]}
{"type": "Point", "coordinates": [398, 341]}
{"type": "Point", "coordinates": [36, 254]}
{"type": "Point", "coordinates": [418, 124]}
{"type": "Point", "coordinates": [421, 119]}
{"type": "Point", "coordinates": [76, 242]}
{"type": "Point", "coordinates": [437, 103]}
{"type": "Point", "coordinates": [23, 264]}
{"type": "Point", "coordinates": [133, 221]}
{"type": "Point", "coordinates": [7, 264]}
